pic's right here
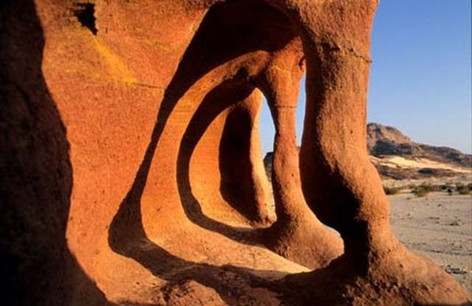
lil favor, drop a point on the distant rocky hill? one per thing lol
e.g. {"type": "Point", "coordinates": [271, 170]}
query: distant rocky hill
{"type": "Point", "coordinates": [387, 141]}
{"type": "Point", "coordinates": [397, 157]}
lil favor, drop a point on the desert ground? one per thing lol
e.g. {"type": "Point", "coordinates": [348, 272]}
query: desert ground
{"type": "Point", "coordinates": [438, 226]}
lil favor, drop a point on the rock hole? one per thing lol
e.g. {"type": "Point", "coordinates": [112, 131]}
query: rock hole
{"type": "Point", "coordinates": [85, 14]}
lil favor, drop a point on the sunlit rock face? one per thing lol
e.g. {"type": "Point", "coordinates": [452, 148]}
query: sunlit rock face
{"type": "Point", "coordinates": [131, 167]}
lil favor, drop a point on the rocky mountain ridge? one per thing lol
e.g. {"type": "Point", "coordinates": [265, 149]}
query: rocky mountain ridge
{"type": "Point", "coordinates": [388, 141]}
{"type": "Point", "coordinates": [398, 157]}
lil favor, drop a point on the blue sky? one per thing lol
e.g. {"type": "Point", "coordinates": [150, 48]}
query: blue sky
{"type": "Point", "coordinates": [420, 78]}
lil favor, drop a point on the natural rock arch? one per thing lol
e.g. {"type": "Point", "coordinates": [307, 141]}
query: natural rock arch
{"type": "Point", "coordinates": [163, 196]}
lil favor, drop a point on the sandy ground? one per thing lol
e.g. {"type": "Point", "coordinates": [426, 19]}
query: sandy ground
{"type": "Point", "coordinates": [437, 226]}
{"type": "Point", "coordinates": [398, 161]}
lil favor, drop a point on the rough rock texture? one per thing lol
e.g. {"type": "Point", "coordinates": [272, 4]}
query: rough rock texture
{"type": "Point", "coordinates": [380, 133]}
{"type": "Point", "coordinates": [131, 170]}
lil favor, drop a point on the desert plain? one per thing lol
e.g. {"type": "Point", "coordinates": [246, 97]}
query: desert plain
{"type": "Point", "coordinates": [438, 226]}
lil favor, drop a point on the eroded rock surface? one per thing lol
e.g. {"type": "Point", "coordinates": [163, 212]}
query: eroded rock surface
{"type": "Point", "coordinates": [131, 164]}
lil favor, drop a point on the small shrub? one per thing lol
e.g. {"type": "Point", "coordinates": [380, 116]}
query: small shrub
{"type": "Point", "coordinates": [391, 190]}
{"type": "Point", "coordinates": [464, 190]}
{"type": "Point", "coordinates": [443, 187]}
{"type": "Point", "coordinates": [421, 191]}
{"type": "Point", "coordinates": [430, 187]}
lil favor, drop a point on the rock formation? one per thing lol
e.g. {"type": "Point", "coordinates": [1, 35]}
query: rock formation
{"type": "Point", "coordinates": [131, 164]}
{"type": "Point", "coordinates": [385, 140]}
{"type": "Point", "coordinates": [396, 156]}
{"type": "Point", "coordinates": [426, 161]}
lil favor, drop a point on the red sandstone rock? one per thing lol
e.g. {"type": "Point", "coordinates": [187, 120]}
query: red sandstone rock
{"type": "Point", "coordinates": [131, 170]}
